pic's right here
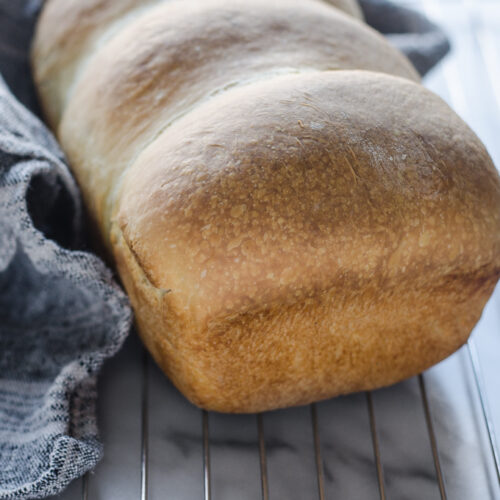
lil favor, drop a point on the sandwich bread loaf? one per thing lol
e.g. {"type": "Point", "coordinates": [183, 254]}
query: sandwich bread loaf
{"type": "Point", "coordinates": [293, 215]}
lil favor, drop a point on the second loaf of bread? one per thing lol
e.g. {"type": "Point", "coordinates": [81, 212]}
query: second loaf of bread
{"type": "Point", "coordinates": [292, 214]}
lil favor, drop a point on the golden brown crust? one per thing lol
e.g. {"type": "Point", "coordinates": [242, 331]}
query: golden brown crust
{"type": "Point", "coordinates": [294, 267]}
{"type": "Point", "coordinates": [66, 35]}
{"type": "Point", "coordinates": [330, 344]}
{"type": "Point", "coordinates": [250, 207]}
{"type": "Point", "coordinates": [181, 53]}
{"type": "Point", "coordinates": [70, 32]}
{"type": "Point", "coordinates": [285, 232]}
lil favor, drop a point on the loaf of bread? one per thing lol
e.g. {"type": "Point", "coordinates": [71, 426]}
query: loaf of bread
{"type": "Point", "coordinates": [291, 213]}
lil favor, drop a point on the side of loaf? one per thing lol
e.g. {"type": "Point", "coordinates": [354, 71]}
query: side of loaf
{"type": "Point", "coordinates": [292, 214]}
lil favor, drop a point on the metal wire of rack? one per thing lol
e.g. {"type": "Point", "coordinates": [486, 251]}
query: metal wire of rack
{"type": "Point", "coordinates": [430, 437]}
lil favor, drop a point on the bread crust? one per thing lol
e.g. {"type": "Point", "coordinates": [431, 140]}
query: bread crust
{"type": "Point", "coordinates": [296, 267]}
{"type": "Point", "coordinates": [321, 347]}
{"type": "Point", "coordinates": [180, 54]}
{"type": "Point", "coordinates": [290, 223]}
{"type": "Point", "coordinates": [70, 32]}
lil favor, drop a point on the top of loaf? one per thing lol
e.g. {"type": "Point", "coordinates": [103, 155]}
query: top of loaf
{"type": "Point", "coordinates": [70, 32]}
{"type": "Point", "coordinates": [281, 189]}
{"type": "Point", "coordinates": [174, 55]}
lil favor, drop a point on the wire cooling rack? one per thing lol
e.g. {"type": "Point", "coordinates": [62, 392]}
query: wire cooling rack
{"type": "Point", "coordinates": [430, 437]}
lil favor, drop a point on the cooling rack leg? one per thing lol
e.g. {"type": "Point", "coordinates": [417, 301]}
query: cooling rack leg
{"type": "Point", "coordinates": [317, 452]}
{"type": "Point", "coordinates": [85, 486]}
{"type": "Point", "coordinates": [478, 378]}
{"type": "Point", "coordinates": [376, 447]}
{"type": "Point", "coordinates": [263, 460]}
{"type": "Point", "coordinates": [206, 457]}
{"type": "Point", "coordinates": [144, 425]}
{"type": "Point", "coordinates": [432, 437]}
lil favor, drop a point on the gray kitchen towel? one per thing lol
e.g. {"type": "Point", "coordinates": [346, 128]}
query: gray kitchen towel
{"type": "Point", "coordinates": [424, 43]}
{"type": "Point", "coordinates": [61, 313]}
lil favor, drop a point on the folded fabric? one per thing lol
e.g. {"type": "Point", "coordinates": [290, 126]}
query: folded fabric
{"type": "Point", "coordinates": [424, 43]}
{"type": "Point", "coordinates": [61, 316]}
{"type": "Point", "coordinates": [61, 313]}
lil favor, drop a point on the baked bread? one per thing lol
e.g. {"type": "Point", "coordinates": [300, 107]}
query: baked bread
{"type": "Point", "coordinates": [291, 213]}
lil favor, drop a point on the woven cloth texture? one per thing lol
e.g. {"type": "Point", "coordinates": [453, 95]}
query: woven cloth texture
{"type": "Point", "coordinates": [61, 313]}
